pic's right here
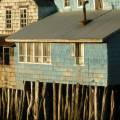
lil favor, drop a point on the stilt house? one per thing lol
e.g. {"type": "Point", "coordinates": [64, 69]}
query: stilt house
{"type": "Point", "coordinates": [69, 48]}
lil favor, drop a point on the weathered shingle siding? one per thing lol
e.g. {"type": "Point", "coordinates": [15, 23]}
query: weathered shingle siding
{"type": "Point", "coordinates": [32, 14]}
{"type": "Point", "coordinates": [35, 11]}
{"type": "Point", "coordinates": [64, 69]}
{"type": "Point", "coordinates": [96, 63]}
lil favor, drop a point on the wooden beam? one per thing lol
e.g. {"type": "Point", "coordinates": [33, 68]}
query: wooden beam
{"type": "Point", "coordinates": [36, 105]}
{"type": "Point", "coordinates": [59, 101]}
{"type": "Point", "coordinates": [95, 103]}
{"type": "Point", "coordinates": [54, 101]}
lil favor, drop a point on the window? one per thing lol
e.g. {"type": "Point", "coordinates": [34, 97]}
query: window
{"type": "Point", "coordinates": [98, 4]}
{"type": "Point", "coordinates": [8, 18]}
{"type": "Point", "coordinates": [4, 55]}
{"type": "Point", "coordinates": [22, 55]}
{"type": "Point", "coordinates": [66, 3]}
{"type": "Point", "coordinates": [35, 52]}
{"type": "Point", "coordinates": [80, 2]}
{"type": "Point", "coordinates": [79, 53]}
{"type": "Point", "coordinates": [23, 17]}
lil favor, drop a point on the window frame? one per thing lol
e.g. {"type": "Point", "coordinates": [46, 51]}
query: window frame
{"type": "Point", "coordinates": [33, 57]}
{"type": "Point", "coordinates": [80, 58]}
{"type": "Point", "coordinates": [68, 2]}
{"type": "Point", "coordinates": [21, 12]}
{"type": "Point", "coordinates": [3, 54]}
{"type": "Point", "coordinates": [79, 6]}
{"type": "Point", "coordinates": [8, 17]}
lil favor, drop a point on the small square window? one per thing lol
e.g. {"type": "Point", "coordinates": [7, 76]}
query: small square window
{"type": "Point", "coordinates": [66, 3]}
{"type": "Point", "coordinates": [80, 2]}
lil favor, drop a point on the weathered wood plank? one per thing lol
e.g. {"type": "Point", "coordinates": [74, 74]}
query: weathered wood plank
{"type": "Point", "coordinates": [54, 101]}
{"type": "Point", "coordinates": [59, 101]}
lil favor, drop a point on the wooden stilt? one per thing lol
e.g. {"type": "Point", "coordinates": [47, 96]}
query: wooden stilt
{"type": "Point", "coordinates": [0, 105]}
{"type": "Point", "coordinates": [105, 115]}
{"type": "Point", "coordinates": [90, 104]}
{"type": "Point", "coordinates": [36, 109]}
{"type": "Point", "coordinates": [85, 105]}
{"type": "Point", "coordinates": [43, 100]}
{"type": "Point", "coordinates": [66, 103]}
{"type": "Point", "coordinates": [62, 105]}
{"type": "Point", "coordinates": [3, 101]}
{"type": "Point", "coordinates": [16, 104]}
{"type": "Point", "coordinates": [69, 116]}
{"type": "Point", "coordinates": [31, 102]}
{"type": "Point", "coordinates": [8, 103]}
{"type": "Point", "coordinates": [22, 103]}
{"type": "Point", "coordinates": [76, 102]}
{"type": "Point", "coordinates": [44, 109]}
{"type": "Point", "coordinates": [95, 103]}
{"type": "Point", "coordinates": [12, 103]}
{"type": "Point", "coordinates": [112, 105]}
{"type": "Point", "coordinates": [59, 102]}
{"type": "Point", "coordinates": [72, 104]}
{"type": "Point", "coordinates": [54, 102]}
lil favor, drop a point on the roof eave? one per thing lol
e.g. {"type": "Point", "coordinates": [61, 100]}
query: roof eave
{"type": "Point", "coordinates": [84, 40]}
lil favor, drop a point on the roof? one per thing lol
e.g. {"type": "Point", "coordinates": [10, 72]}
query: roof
{"type": "Point", "coordinates": [66, 27]}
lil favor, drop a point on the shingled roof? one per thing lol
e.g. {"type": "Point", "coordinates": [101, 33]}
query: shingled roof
{"type": "Point", "coordinates": [66, 27]}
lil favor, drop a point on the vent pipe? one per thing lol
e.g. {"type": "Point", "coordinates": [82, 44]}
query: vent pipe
{"type": "Point", "coordinates": [85, 21]}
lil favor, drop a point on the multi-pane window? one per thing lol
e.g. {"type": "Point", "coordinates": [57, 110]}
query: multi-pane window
{"type": "Point", "coordinates": [80, 2]}
{"type": "Point", "coordinates": [66, 3]}
{"type": "Point", "coordinates": [79, 53]}
{"type": "Point", "coordinates": [22, 49]}
{"type": "Point", "coordinates": [8, 19]}
{"type": "Point", "coordinates": [29, 52]}
{"type": "Point", "coordinates": [23, 17]}
{"type": "Point", "coordinates": [35, 52]}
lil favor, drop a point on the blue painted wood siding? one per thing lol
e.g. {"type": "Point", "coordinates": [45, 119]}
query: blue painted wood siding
{"type": "Point", "coordinates": [63, 68]}
{"type": "Point", "coordinates": [107, 4]}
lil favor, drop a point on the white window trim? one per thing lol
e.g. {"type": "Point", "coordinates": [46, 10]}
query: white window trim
{"type": "Point", "coordinates": [66, 7]}
{"type": "Point", "coordinates": [95, 4]}
{"type": "Point", "coordinates": [81, 6]}
{"type": "Point", "coordinates": [33, 56]}
{"type": "Point", "coordinates": [82, 52]}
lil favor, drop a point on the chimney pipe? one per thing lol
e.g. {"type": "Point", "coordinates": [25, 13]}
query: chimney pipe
{"type": "Point", "coordinates": [84, 21]}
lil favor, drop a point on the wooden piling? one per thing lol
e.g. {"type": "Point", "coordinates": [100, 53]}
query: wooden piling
{"type": "Point", "coordinates": [59, 101]}
{"type": "Point", "coordinates": [36, 105]}
{"type": "Point", "coordinates": [8, 103]}
{"type": "Point", "coordinates": [112, 105]}
{"type": "Point", "coordinates": [54, 101]}
{"type": "Point", "coordinates": [31, 102]}
{"type": "Point", "coordinates": [66, 103]}
{"type": "Point", "coordinates": [72, 103]}
{"type": "Point", "coordinates": [76, 102]}
{"type": "Point", "coordinates": [95, 103]}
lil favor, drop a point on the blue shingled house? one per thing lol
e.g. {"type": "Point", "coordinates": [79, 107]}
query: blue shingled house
{"type": "Point", "coordinates": [60, 49]}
